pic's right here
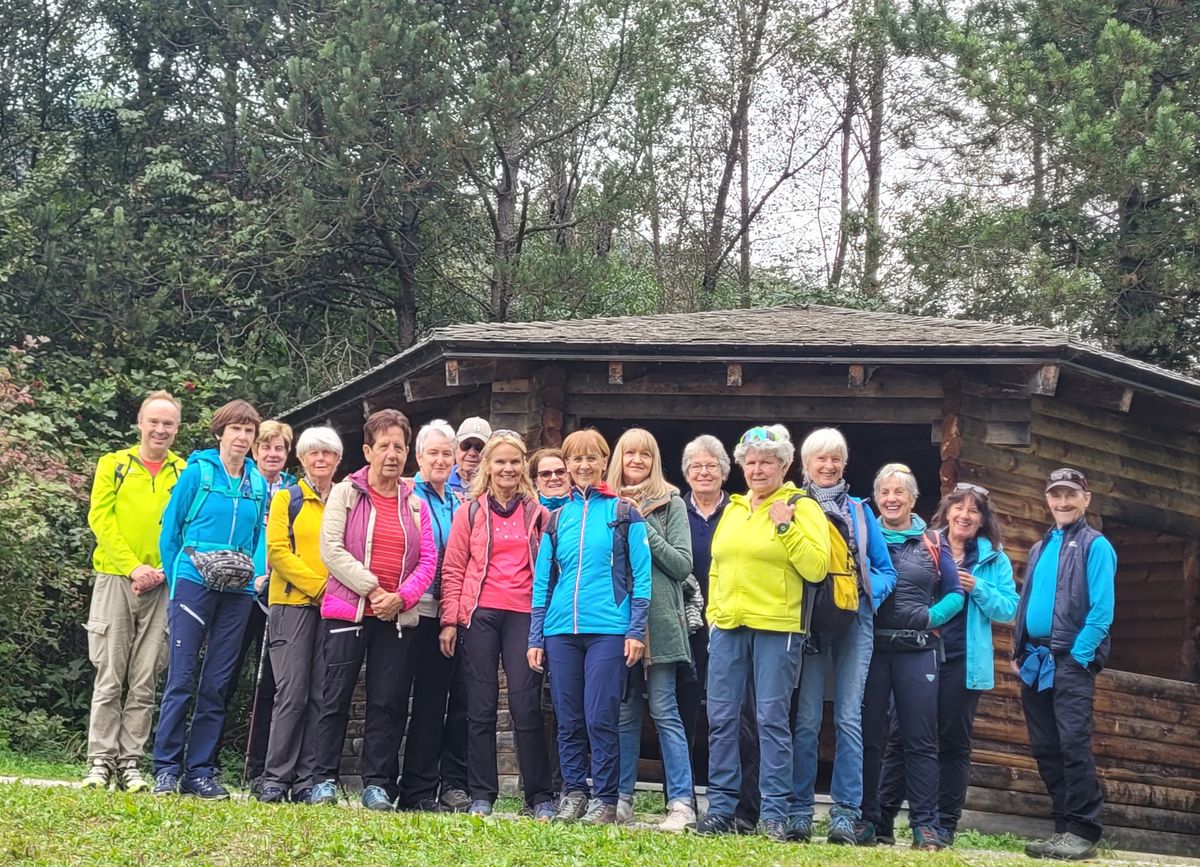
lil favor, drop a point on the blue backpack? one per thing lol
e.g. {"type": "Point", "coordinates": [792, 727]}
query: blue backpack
{"type": "Point", "coordinates": [258, 493]}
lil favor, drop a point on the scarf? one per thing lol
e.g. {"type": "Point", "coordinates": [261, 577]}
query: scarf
{"type": "Point", "coordinates": [502, 510]}
{"type": "Point", "coordinates": [897, 537]}
{"type": "Point", "coordinates": [832, 500]}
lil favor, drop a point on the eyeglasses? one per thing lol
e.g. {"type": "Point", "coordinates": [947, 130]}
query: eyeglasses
{"type": "Point", "coordinates": [974, 489]}
{"type": "Point", "coordinates": [551, 474]}
{"type": "Point", "coordinates": [761, 434]}
{"type": "Point", "coordinates": [576, 460]}
{"type": "Point", "coordinates": [712, 469]}
{"type": "Point", "coordinates": [471, 446]}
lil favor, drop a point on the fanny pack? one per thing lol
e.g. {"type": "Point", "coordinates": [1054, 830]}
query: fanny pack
{"type": "Point", "coordinates": [223, 570]}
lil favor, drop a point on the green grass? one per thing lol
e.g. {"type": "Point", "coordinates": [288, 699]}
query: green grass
{"type": "Point", "coordinates": [66, 826]}
{"type": "Point", "coordinates": [15, 765]}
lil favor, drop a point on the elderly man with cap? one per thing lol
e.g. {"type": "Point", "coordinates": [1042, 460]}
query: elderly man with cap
{"type": "Point", "coordinates": [469, 440]}
{"type": "Point", "coordinates": [1061, 643]}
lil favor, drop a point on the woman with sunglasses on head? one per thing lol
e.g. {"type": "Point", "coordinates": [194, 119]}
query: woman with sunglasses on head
{"type": "Point", "coordinates": [591, 597]}
{"type": "Point", "coordinates": [904, 665]}
{"type": "Point", "coordinates": [549, 474]}
{"type": "Point", "coordinates": [967, 521]}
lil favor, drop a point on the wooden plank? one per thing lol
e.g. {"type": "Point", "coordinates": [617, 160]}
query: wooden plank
{"type": "Point", "coordinates": [1134, 425]}
{"type": "Point", "coordinates": [1143, 775]}
{"type": "Point", "coordinates": [738, 408]}
{"type": "Point", "coordinates": [1103, 745]}
{"type": "Point", "coordinates": [757, 381]}
{"type": "Point", "coordinates": [733, 375]}
{"type": "Point", "coordinates": [1159, 796]}
{"type": "Point", "coordinates": [1112, 441]}
{"type": "Point", "coordinates": [1125, 815]}
{"type": "Point", "coordinates": [1093, 457]}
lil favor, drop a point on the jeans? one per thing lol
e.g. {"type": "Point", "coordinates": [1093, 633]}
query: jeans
{"type": "Point", "coordinates": [672, 740]}
{"type": "Point", "coordinates": [770, 659]}
{"type": "Point", "coordinates": [848, 656]}
{"type": "Point", "coordinates": [198, 618]}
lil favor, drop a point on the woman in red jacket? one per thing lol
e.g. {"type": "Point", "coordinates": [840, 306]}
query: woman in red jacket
{"type": "Point", "coordinates": [487, 593]}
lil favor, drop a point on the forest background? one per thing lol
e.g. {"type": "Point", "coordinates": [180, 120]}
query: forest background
{"type": "Point", "coordinates": [261, 198]}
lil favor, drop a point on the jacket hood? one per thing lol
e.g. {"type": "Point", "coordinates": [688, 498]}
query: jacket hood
{"type": "Point", "coordinates": [213, 456]}
{"type": "Point", "coordinates": [171, 457]}
{"type": "Point", "coordinates": [653, 503]}
{"type": "Point", "coordinates": [553, 503]}
{"type": "Point", "coordinates": [984, 549]}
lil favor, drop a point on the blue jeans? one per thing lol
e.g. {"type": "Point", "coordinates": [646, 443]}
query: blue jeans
{"type": "Point", "coordinates": [770, 659]}
{"type": "Point", "coordinates": [672, 741]}
{"type": "Point", "coordinates": [198, 617]}
{"type": "Point", "coordinates": [848, 656]}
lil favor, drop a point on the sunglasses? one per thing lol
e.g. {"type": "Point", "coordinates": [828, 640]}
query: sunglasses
{"type": "Point", "coordinates": [760, 434]}
{"type": "Point", "coordinates": [900, 468]}
{"type": "Point", "coordinates": [471, 446]}
{"type": "Point", "coordinates": [551, 474]}
{"type": "Point", "coordinates": [974, 489]}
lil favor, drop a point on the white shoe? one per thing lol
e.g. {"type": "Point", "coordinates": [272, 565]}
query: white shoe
{"type": "Point", "coordinates": [680, 816]}
{"type": "Point", "coordinates": [624, 810]}
{"type": "Point", "coordinates": [98, 775]}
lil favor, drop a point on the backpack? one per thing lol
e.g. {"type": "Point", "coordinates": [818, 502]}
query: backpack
{"type": "Point", "coordinates": [620, 524]}
{"type": "Point", "coordinates": [832, 603]}
{"type": "Point", "coordinates": [258, 493]}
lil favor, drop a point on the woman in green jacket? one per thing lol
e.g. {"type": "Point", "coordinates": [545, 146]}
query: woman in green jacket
{"type": "Point", "coordinates": [636, 474]}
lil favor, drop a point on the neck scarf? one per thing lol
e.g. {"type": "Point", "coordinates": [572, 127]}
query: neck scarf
{"type": "Point", "coordinates": [896, 537]}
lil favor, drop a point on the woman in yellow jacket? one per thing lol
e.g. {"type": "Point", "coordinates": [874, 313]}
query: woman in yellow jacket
{"type": "Point", "coordinates": [766, 546]}
{"type": "Point", "coordinates": [293, 625]}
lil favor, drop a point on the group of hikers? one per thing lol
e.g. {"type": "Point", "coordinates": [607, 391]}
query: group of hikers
{"type": "Point", "coordinates": [584, 566]}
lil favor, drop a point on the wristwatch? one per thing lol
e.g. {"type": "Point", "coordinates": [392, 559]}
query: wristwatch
{"type": "Point", "coordinates": [781, 528]}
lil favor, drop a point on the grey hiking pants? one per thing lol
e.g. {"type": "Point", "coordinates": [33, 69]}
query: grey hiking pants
{"type": "Point", "coordinates": [294, 639]}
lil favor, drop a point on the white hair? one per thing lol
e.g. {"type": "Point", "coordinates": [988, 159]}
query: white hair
{"type": "Point", "coordinates": [317, 439]}
{"type": "Point", "coordinates": [824, 441]}
{"type": "Point", "coordinates": [437, 426]}
{"type": "Point", "coordinates": [706, 444]}
{"type": "Point", "coordinates": [898, 471]}
{"type": "Point", "coordinates": [781, 448]}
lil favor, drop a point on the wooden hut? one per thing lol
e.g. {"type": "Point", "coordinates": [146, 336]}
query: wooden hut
{"type": "Point", "coordinates": [996, 405]}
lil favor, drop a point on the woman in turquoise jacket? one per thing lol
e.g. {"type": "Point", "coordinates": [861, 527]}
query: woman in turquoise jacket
{"type": "Point", "coordinates": [591, 597]}
{"type": "Point", "coordinates": [968, 522]}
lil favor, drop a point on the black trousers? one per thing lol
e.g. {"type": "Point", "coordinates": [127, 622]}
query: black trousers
{"type": "Point", "coordinates": [262, 696]}
{"type": "Point", "coordinates": [493, 636]}
{"type": "Point", "coordinates": [435, 748]}
{"type": "Point", "coordinates": [295, 644]}
{"type": "Point", "coordinates": [1060, 735]}
{"type": "Point", "coordinates": [346, 645]}
{"type": "Point", "coordinates": [956, 718]}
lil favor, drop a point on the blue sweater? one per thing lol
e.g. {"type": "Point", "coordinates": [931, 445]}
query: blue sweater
{"type": "Point", "coordinates": [1101, 573]}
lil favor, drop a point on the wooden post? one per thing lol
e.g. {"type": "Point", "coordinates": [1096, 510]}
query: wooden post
{"type": "Point", "coordinates": [733, 374]}
{"type": "Point", "coordinates": [616, 373]}
{"type": "Point", "coordinates": [950, 443]}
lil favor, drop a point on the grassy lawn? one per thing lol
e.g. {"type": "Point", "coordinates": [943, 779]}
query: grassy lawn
{"type": "Point", "coordinates": [66, 826]}
{"type": "Point", "coordinates": [15, 765]}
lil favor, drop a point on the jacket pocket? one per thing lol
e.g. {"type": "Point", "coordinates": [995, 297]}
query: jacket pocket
{"type": "Point", "coordinates": [97, 631]}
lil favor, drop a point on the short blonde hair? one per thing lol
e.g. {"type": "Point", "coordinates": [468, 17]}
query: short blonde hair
{"type": "Point", "coordinates": [483, 478]}
{"type": "Point", "coordinates": [899, 471]}
{"type": "Point", "coordinates": [824, 441]}
{"type": "Point", "coordinates": [655, 485]}
{"type": "Point", "coordinates": [161, 394]}
{"type": "Point", "coordinates": [272, 428]}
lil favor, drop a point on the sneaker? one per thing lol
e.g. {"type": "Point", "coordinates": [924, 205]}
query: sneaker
{"type": "Point", "coordinates": [714, 823]}
{"type": "Point", "coordinates": [885, 833]}
{"type": "Point", "coordinates": [600, 813]}
{"type": "Point", "coordinates": [98, 775]}
{"type": "Point", "coordinates": [744, 825]}
{"type": "Point", "coordinates": [841, 831]}
{"type": "Point", "coordinates": [625, 810]}
{"type": "Point", "coordinates": [865, 834]}
{"type": "Point", "coordinates": [302, 796]}
{"type": "Point", "coordinates": [324, 792]}
{"type": "Point", "coordinates": [132, 780]}
{"type": "Point", "coordinates": [271, 794]}
{"type": "Point", "coordinates": [1072, 847]}
{"type": "Point", "coordinates": [375, 798]}
{"type": "Point", "coordinates": [205, 788]}
{"type": "Point", "coordinates": [166, 783]}
{"type": "Point", "coordinates": [455, 801]}
{"type": "Point", "coordinates": [571, 806]}
{"type": "Point", "coordinates": [543, 811]}
{"type": "Point", "coordinates": [774, 829]}
{"type": "Point", "coordinates": [482, 809]}
{"type": "Point", "coordinates": [800, 830]}
{"type": "Point", "coordinates": [947, 837]}
{"type": "Point", "coordinates": [926, 839]}
{"type": "Point", "coordinates": [1039, 848]}
{"type": "Point", "coordinates": [680, 817]}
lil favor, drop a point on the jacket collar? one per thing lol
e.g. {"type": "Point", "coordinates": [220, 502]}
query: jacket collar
{"type": "Point", "coordinates": [171, 459]}
{"type": "Point", "coordinates": [600, 490]}
{"type": "Point", "coordinates": [358, 479]}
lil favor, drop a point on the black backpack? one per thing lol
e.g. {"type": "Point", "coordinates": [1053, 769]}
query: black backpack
{"type": "Point", "coordinates": [823, 618]}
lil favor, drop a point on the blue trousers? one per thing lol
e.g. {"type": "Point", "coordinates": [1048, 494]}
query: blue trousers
{"type": "Point", "coordinates": [587, 678]}
{"type": "Point", "coordinates": [770, 660]}
{"type": "Point", "coordinates": [198, 618]}
{"type": "Point", "coordinates": [664, 710]}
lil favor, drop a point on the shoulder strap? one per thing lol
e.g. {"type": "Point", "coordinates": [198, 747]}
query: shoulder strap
{"type": "Point", "coordinates": [295, 504]}
{"type": "Point", "coordinates": [933, 544]}
{"type": "Point", "coordinates": [206, 483]}
{"type": "Point", "coordinates": [120, 471]}
{"type": "Point", "coordinates": [552, 532]}
{"type": "Point", "coordinates": [621, 526]}
{"type": "Point", "coordinates": [473, 512]}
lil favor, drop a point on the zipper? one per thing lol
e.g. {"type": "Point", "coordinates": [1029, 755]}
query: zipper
{"type": "Point", "coordinates": [579, 562]}
{"type": "Point", "coordinates": [345, 629]}
{"type": "Point", "coordinates": [486, 560]}
{"type": "Point", "coordinates": [192, 614]}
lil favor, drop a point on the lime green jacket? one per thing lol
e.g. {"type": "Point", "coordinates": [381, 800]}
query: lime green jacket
{"type": "Point", "coordinates": [126, 510]}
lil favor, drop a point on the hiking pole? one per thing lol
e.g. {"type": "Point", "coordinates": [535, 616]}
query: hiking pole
{"type": "Point", "coordinates": [258, 676]}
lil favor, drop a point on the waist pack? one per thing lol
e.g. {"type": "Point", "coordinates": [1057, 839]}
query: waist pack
{"type": "Point", "coordinates": [832, 604]}
{"type": "Point", "coordinates": [223, 570]}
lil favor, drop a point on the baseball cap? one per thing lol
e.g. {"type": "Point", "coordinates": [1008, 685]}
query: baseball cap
{"type": "Point", "coordinates": [1066, 478]}
{"type": "Point", "coordinates": [473, 428]}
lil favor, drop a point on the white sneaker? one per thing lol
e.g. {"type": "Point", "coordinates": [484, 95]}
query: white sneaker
{"type": "Point", "coordinates": [98, 775]}
{"type": "Point", "coordinates": [132, 780]}
{"type": "Point", "coordinates": [680, 816]}
{"type": "Point", "coordinates": [625, 810]}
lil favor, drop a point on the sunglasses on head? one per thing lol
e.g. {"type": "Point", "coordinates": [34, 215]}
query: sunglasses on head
{"type": "Point", "coordinates": [505, 432]}
{"type": "Point", "coordinates": [761, 434]}
{"type": "Point", "coordinates": [551, 474]}
{"type": "Point", "coordinates": [974, 489]}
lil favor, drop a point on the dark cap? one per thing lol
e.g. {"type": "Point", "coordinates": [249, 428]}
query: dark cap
{"type": "Point", "coordinates": [1066, 478]}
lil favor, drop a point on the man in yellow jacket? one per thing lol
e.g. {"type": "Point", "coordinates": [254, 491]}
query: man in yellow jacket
{"type": "Point", "coordinates": [127, 623]}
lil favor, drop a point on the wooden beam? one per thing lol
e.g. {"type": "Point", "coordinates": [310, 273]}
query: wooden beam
{"type": "Point", "coordinates": [733, 374]}
{"type": "Point", "coordinates": [469, 372]}
{"type": "Point", "coordinates": [1007, 433]}
{"type": "Point", "coordinates": [366, 409]}
{"type": "Point", "coordinates": [736, 407]}
{"type": "Point", "coordinates": [1045, 381]}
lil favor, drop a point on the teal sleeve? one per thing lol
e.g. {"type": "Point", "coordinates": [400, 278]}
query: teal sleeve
{"type": "Point", "coordinates": [1101, 577]}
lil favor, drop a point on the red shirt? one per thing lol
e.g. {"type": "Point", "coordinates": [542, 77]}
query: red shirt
{"type": "Point", "coordinates": [509, 582]}
{"type": "Point", "coordinates": [387, 543]}
{"type": "Point", "coordinates": [152, 467]}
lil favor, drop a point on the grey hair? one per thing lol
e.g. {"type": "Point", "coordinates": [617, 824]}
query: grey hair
{"type": "Point", "coordinates": [824, 441]}
{"type": "Point", "coordinates": [782, 449]}
{"type": "Point", "coordinates": [316, 439]}
{"type": "Point", "coordinates": [901, 472]}
{"type": "Point", "coordinates": [710, 444]}
{"type": "Point", "coordinates": [437, 426]}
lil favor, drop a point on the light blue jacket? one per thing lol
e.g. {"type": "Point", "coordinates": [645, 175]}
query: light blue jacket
{"type": "Point", "coordinates": [879, 560]}
{"type": "Point", "coordinates": [994, 600]}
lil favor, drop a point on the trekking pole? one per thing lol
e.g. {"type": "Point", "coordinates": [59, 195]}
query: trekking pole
{"type": "Point", "coordinates": [258, 676]}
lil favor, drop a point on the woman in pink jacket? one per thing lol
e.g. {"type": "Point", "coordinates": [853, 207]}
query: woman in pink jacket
{"type": "Point", "coordinates": [487, 594]}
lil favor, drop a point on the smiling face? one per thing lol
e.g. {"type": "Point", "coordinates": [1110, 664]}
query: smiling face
{"type": "Point", "coordinates": [764, 472]}
{"type": "Point", "coordinates": [236, 440]}
{"type": "Point", "coordinates": [437, 459]}
{"type": "Point", "coordinates": [1067, 505]}
{"type": "Point", "coordinates": [635, 465]}
{"type": "Point", "coordinates": [158, 423]}
{"type": "Point", "coordinates": [506, 465]}
{"type": "Point", "coordinates": [551, 477]}
{"type": "Point", "coordinates": [271, 456]}
{"type": "Point", "coordinates": [826, 469]}
{"type": "Point", "coordinates": [963, 520]}
{"type": "Point", "coordinates": [320, 465]}
{"type": "Point", "coordinates": [387, 455]}
{"type": "Point", "coordinates": [895, 502]}
{"type": "Point", "coordinates": [469, 454]}
{"type": "Point", "coordinates": [586, 469]}
{"type": "Point", "coordinates": [704, 474]}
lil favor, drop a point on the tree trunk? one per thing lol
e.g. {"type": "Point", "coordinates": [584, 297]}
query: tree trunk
{"type": "Point", "coordinates": [873, 252]}
{"type": "Point", "coordinates": [744, 264]}
{"type": "Point", "coordinates": [507, 231]}
{"type": "Point", "coordinates": [848, 109]}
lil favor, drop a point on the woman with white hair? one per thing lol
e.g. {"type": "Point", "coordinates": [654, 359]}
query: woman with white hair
{"type": "Point", "coordinates": [293, 624]}
{"type": "Point", "coordinates": [842, 647]}
{"type": "Point", "coordinates": [769, 543]}
{"type": "Point", "coordinates": [905, 662]}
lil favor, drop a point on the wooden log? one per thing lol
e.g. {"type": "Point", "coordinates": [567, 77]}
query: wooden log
{"type": "Point", "coordinates": [1138, 425]}
{"type": "Point", "coordinates": [1124, 815]}
{"type": "Point", "coordinates": [757, 381]}
{"type": "Point", "coordinates": [807, 410]}
{"type": "Point", "coordinates": [1110, 440]}
{"type": "Point", "coordinates": [1160, 796]}
{"type": "Point", "coordinates": [1103, 745]}
{"type": "Point", "coordinates": [1189, 654]}
{"type": "Point", "coordinates": [1130, 839]}
{"type": "Point", "coordinates": [1094, 457]}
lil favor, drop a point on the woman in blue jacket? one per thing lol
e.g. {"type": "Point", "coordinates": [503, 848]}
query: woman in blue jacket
{"type": "Point", "coordinates": [967, 521]}
{"type": "Point", "coordinates": [210, 531]}
{"type": "Point", "coordinates": [591, 597]}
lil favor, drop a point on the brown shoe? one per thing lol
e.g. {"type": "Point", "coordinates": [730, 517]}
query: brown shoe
{"type": "Point", "coordinates": [600, 813]}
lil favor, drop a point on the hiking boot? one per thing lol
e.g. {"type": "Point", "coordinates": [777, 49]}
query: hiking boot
{"type": "Point", "coordinates": [482, 809]}
{"type": "Point", "coordinates": [841, 831]}
{"type": "Point", "coordinates": [680, 817]}
{"type": "Point", "coordinates": [571, 806]}
{"type": "Point", "coordinates": [166, 783]}
{"type": "Point", "coordinates": [375, 798]}
{"type": "Point", "coordinates": [946, 835]}
{"type": "Point", "coordinates": [1039, 848]}
{"type": "Point", "coordinates": [271, 795]}
{"type": "Point", "coordinates": [600, 813]}
{"type": "Point", "coordinates": [99, 775]}
{"type": "Point", "coordinates": [865, 834]}
{"type": "Point", "coordinates": [800, 830]}
{"type": "Point", "coordinates": [625, 810]}
{"type": "Point", "coordinates": [302, 796]}
{"type": "Point", "coordinates": [1071, 847]}
{"type": "Point", "coordinates": [324, 792]}
{"type": "Point", "coordinates": [455, 801]}
{"type": "Point", "coordinates": [131, 779]}
{"type": "Point", "coordinates": [774, 829]}
{"type": "Point", "coordinates": [885, 833]}
{"type": "Point", "coordinates": [205, 788]}
{"type": "Point", "coordinates": [714, 823]}
{"type": "Point", "coordinates": [426, 805]}
{"type": "Point", "coordinates": [543, 811]}
{"type": "Point", "coordinates": [926, 839]}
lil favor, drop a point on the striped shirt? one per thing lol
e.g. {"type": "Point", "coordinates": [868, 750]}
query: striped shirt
{"type": "Point", "coordinates": [387, 543]}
